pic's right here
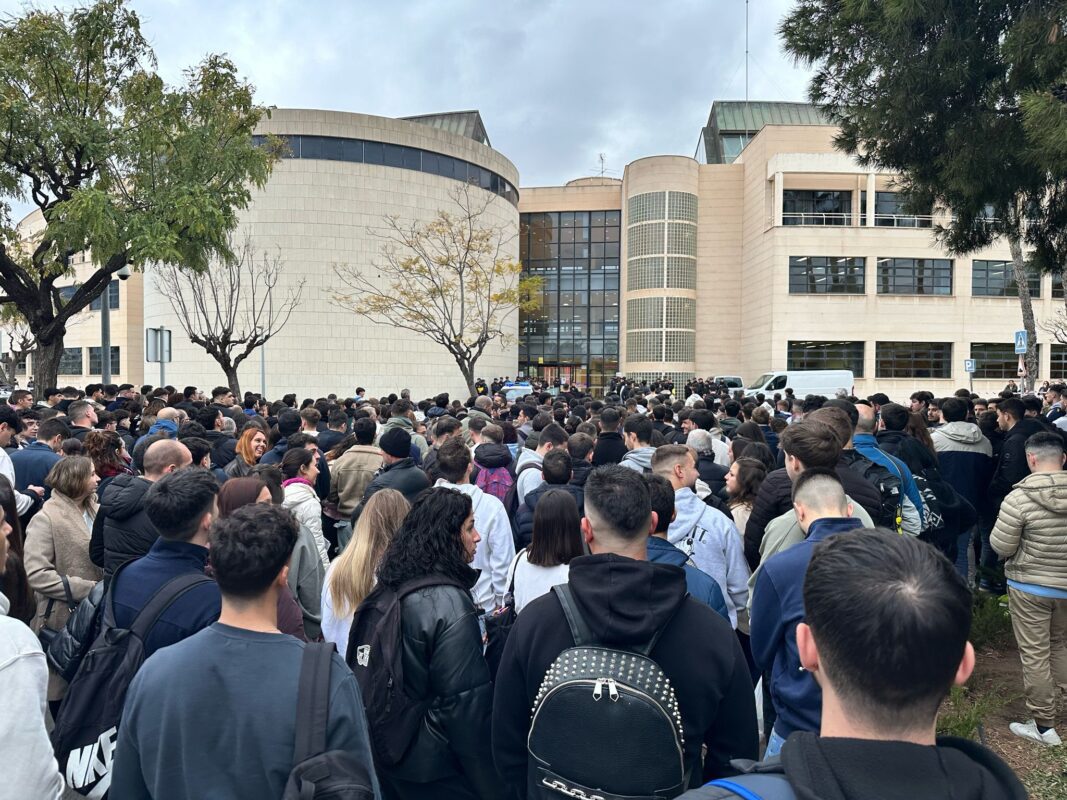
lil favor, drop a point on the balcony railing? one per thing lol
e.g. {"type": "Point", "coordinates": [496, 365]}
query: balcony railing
{"type": "Point", "coordinates": [900, 221]}
{"type": "Point", "coordinates": [816, 218]}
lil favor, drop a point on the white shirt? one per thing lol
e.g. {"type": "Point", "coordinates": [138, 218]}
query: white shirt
{"type": "Point", "coordinates": [495, 551]}
{"type": "Point", "coordinates": [532, 581]}
{"type": "Point", "coordinates": [334, 628]}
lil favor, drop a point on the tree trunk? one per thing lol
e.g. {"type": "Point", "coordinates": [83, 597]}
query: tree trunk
{"type": "Point", "coordinates": [1027, 307]}
{"type": "Point", "coordinates": [46, 358]}
{"type": "Point", "coordinates": [232, 381]}
{"type": "Point", "coordinates": [467, 369]}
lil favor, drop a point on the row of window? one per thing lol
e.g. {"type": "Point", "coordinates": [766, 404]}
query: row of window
{"type": "Point", "coordinates": [834, 207]}
{"type": "Point", "coordinates": [648, 273]}
{"type": "Point", "coordinates": [926, 276]}
{"type": "Point", "coordinates": [913, 359]}
{"type": "Point", "coordinates": [655, 206]}
{"type": "Point", "coordinates": [673, 346]}
{"type": "Point", "coordinates": [71, 361]}
{"type": "Point", "coordinates": [653, 312]}
{"type": "Point", "coordinates": [361, 151]}
{"type": "Point", "coordinates": [66, 294]}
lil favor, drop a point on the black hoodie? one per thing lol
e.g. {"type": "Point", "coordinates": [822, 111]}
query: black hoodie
{"type": "Point", "coordinates": [121, 530]}
{"type": "Point", "coordinates": [625, 602]}
{"type": "Point", "coordinates": [856, 769]}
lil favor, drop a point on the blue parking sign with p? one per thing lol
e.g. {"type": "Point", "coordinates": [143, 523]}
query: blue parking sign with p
{"type": "Point", "coordinates": [970, 366]}
{"type": "Point", "coordinates": [1020, 342]}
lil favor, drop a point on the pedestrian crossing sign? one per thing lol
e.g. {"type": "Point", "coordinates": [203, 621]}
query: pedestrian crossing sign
{"type": "Point", "coordinates": [1020, 342]}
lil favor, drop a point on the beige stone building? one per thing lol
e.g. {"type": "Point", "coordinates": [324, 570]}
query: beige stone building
{"type": "Point", "coordinates": [771, 250]}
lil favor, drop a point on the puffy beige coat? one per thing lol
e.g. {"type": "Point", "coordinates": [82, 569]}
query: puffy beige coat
{"type": "Point", "coordinates": [351, 474]}
{"type": "Point", "coordinates": [57, 543]}
{"type": "Point", "coordinates": [1031, 530]}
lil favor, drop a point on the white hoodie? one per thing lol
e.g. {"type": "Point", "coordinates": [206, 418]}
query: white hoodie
{"type": "Point", "coordinates": [30, 768]}
{"type": "Point", "coordinates": [713, 543]}
{"type": "Point", "coordinates": [495, 551]}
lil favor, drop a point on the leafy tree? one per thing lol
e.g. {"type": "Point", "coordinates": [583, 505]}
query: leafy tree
{"type": "Point", "coordinates": [448, 280]}
{"type": "Point", "coordinates": [231, 308]}
{"type": "Point", "coordinates": [119, 165]}
{"type": "Point", "coordinates": [965, 100]}
{"type": "Point", "coordinates": [19, 342]}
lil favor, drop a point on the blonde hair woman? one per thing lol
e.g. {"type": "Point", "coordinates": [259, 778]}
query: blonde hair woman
{"type": "Point", "coordinates": [57, 561]}
{"type": "Point", "coordinates": [351, 576]}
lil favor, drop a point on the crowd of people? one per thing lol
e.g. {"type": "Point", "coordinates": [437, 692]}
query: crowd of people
{"type": "Point", "coordinates": [639, 595]}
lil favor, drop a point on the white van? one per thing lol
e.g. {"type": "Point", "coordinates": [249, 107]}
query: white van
{"type": "Point", "coordinates": [825, 382]}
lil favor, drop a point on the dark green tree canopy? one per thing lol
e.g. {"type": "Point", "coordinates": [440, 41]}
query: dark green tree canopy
{"type": "Point", "coordinates": [119, 164]}
{"type": "Point", "coordinates": [965, 98]}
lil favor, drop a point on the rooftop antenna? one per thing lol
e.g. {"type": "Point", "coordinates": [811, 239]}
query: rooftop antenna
{"type": "Point", "coordinates": [746, 71]}
{"type": "Point", "coordinates": [603, 162]}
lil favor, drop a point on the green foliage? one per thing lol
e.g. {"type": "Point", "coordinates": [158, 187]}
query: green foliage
{"type": "Point", "coordinates": [965, 710]}
{"type": "Point", "coordinates": [990, 621]}
{"type": "Point", "coordinates": [963, 98]}
{"type": "Point", "coordinates": [120, 164]}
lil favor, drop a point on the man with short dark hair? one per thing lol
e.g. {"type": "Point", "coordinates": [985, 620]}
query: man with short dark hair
{"type": "Point", "coordinates": [777, 605]}
{"type": "Point", "coordinates": [557, 471]}
{"type": "Point", "coordinates": [610, 448]}
{"type": "Point", "coordinates": [1031, 533]}
{"type": "Point", "coordinates": [181, 506]}
{"type": "Point", "coordinates": [222, 396]}
{"type": "Point", "coordinates": [443, 429]}
{"type": "Point", "coordinates": [82, 417]}
{"type": "Point", "coordinates": [496, 549]}
{"type": "Point", "coordinates": [626, 601]}
{"type": "Point", "coordinates": [581, 447]}
{"type": "Point", "coordinates": [20, 400]}
{"type": "Point", "coordinates": [527, 465]}
{"type": "Point", "coordinates": [731, 419]}
{"type": "Point", "coordinates": [34, 461]}
{"type": "Point", "coordinates": [336, 426]}
{"type": "Point", "coordinates": [637, 435]}
{"type": "Point", "coordinates": [181, 735]}
{"type": "Point", "coordinates": [223, 446]}
{"type": "Point", "coordinates": [886, 621]}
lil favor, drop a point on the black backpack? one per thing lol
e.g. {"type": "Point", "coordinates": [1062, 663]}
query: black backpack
{"type": "Point", "coordinates": [593, 694]}
{"type": "Point", "coordinates": [511, 499]}
{"type": "Point", "coordinates": [87, 725]}
{"type": "Point", "coordinates": [889, 485]}
{"type": "Point", "coordinates": [375, 654]}
{"type": "Point", "coordinates": [318, 773]}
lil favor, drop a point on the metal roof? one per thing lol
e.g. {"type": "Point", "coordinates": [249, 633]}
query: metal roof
{"type": "Point", "coordinates": [463, 123]}
{"type": "Point", "coordinates": [741, 117]}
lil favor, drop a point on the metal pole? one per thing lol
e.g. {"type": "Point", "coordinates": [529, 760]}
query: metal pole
{"type": "Point", "coordinates": [263, 369]}
{"type": "Point", "coordinates": [105, 336]}
{"type": "Point", "coordinates": [162, 358]}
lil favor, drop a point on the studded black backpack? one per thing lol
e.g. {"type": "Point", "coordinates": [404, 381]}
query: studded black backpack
{"type": "Point", "coordinates": [606, 722]}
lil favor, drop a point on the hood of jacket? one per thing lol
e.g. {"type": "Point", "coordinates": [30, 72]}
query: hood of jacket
{"type": "Point", "coordinates": [124, 496]}
{"type": "Point", "coordinates": [660, 551]}
{"type": "Point", "coordinates": [436, 411]}
{"type": "Point", "coordinates": [853, 769]}
{"type": "Point", "coordinates": [1047, 489]}
{"type": "Point", "coordinates": [534, 495]}
{"type": "Point", "coordinates": [688, 509]}
{"type": "Point", "coordinates": [641, 457]}
{"type": "Point", "coordinates": [166, 426]}
{"type": "Point", "coordinates": [580, 472]}
{"type": "Point", "coordinates": [398, 422]}
{"type": "Point", "coordinates": [526, 455]}
{"type": "Point", "coordinates": [962, 432]}
{"type": "Point", "coordinates": [490, 455]}
{"type": "Point", "coordinates": [624, 601]}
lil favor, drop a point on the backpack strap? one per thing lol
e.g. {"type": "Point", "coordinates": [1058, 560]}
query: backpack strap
{"type": "Point", "coordinates": [755, 786]}
{"type": "Point", "coordinates": [313, 701]}
{"type": "Point", "coordinates": [164, 597]}
{"type": "Point", "coordinates": [579, 628]}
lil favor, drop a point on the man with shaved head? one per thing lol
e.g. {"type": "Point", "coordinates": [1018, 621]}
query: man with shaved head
{"type": "Point", "coordinates": [122, 530]}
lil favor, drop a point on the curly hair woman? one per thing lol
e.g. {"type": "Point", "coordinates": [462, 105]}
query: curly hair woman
{"type": "Point", "coordinates": [108, 453]}
{"type": "Point", "coordinates": [742, 485]}
{"type": "Point", "coordinates": [442, 652]}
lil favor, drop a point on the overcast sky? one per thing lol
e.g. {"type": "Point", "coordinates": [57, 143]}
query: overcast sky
{"type": "Point", "coordinates": [557, 81]}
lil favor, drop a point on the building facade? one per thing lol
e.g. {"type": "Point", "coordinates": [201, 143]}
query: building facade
{"type": "Point", "coordinates": [771, 251]}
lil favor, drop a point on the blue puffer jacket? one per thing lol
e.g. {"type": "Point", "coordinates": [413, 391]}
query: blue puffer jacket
{"type": "Point", "coordinates": [699, 584]}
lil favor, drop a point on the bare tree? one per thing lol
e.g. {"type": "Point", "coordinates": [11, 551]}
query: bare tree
{"type": "Point", "coordinates": [449, 280]}
{"type": "Point", "coordinates": [19, 342]}
{"type": "Point", "coordinates": [231, 308]}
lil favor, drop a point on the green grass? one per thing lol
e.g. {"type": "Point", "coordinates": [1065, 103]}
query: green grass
{"type": "Point", "coordinates": [1048, 780]}
{"type": "Point", "coordinates": [965, 710]}
{"type": "Point", "coordinates": [990, 622]}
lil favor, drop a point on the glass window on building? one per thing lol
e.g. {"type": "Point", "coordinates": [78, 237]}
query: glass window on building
{"type": "Point", "coordinates": [997, 360]}
{"type": "Point", "coordinates": [573, 335]}
{"type": "Point", "coordinates": [815, 207]}
{"type": "Point", "coordinates": [1057, 362]}
{"type": "Point", "coordinates": [71, 361]}
{"type": "Point", "coordinates": [733, 144]}
{"type": "Point", "coordinates": [913, 360]}
{"type": "Point", "coordinates": [889, 212]}
{"type": "Point", "coordinates": [997, 279]}
{"type": "Point", "coordinates": [825, 355]}
{"type": "Point", "coordinates": [113, 298]}
{"type": "Point", "coordinates": [96, 367]}
{"type": "Point", "coordinates": [1057, 286]}
{"type": "Point", "coordinates": [931, 276]}
{"type": "Point", "coordinates": [826, 275]}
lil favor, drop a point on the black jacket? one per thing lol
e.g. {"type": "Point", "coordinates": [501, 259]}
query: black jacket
{"type": "Point", "coordinates": [610, 448]}
{"type": "Point", "coordinates": [714, 475]}
{"type": "Point", "coordinates": [580, 472]}
{"type": "Point", "coordinates": [858, 769]}
{"type": "Point", "coordinates": [625, 602]}
{"type": "Point", "coordinates": [443, 662]}
{"type": "Point", "coordinates": [490, 455]}
{"type": "Point", "coordinates": [121, 530]}
{"type": "Point", "coordinates": [524, 516]}
{"type": "Point", "coordinates": [908, 449]}
{"type": "Point", "coordinates": [1011, 466]}
{"type": "Point", "coordinates": [401, 475]}
{"type": "Point", "coordinates": [776, 497]}
{"type": "Point", "coordinates": [223, 448]}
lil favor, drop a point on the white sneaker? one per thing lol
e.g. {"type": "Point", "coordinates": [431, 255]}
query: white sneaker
{"type": "Point", "coordinates": [1028, 730]}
